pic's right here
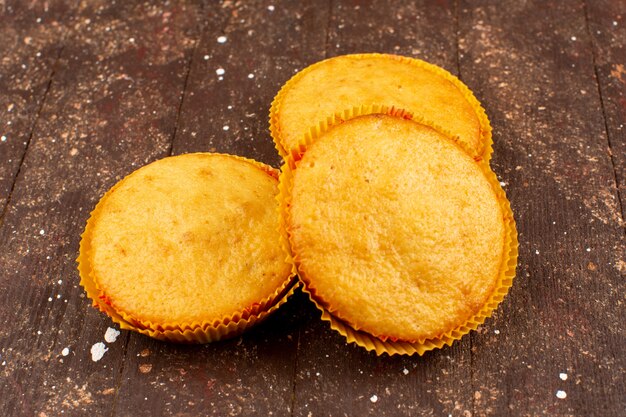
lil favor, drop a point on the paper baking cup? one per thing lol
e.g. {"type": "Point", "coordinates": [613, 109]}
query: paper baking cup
{"type": "Point", "coordinates": [191, 332]}
{"type": "Point", "coordinates": [485, 126]}
{"type": "Point", "coordinates": [399, 347]}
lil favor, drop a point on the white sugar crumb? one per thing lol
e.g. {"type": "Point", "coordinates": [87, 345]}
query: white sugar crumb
{"type": "Point", "coordinates": [250, 76]}
{"type": "Point", "coordinates": [537, 252]}
{"type": "Point", "coordinates": [111, 335]}
{"type": "Point", "coordinates": [561, 394]}
{"type": "Point", "coordinates": [222, 39]}
{"type": "Point", "coordinates": [220, 71]}
{"type": "Point", "coordinates": [588, 249]}
{"type": "Point", "coordinates": [97, 351]}
{"type": "Point", "coordinates": [49, 298]}
{"type": "Point", "coordinates": [271, 8]}
{"type": "Point", "coordinates": [615, 23]}
{"type": "Point", "coordinates": [405, 371]}
{"type": "Point", "coordinates": [42, 232]}
{"type": "Point", "coordinates": [374, 398]}
{"type": "Point", "coordinates": [502, 183]}
{"type": "Point", "coordinates": [563, 376]}
{"type": "Point", "coordinates": [206, 57]}
{"type": "Point", "coordinates": [65, 351]}
{"type": "Point", "coordinates": [60, 281]}
{"type": "Point", "coordinates": [226, 127]}
{"type": "Point", "coordinates": [3, 138]}
{"type": "Point", "coordinates": [573, 38]}
{"type": "Point", "coordinates": [496, 331]}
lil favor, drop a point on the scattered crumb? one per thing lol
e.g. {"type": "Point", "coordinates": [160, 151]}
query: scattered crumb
{"type": "Point", "coordinates": [144, 368]}
{"type": "Point", "coordinates": [374, 398]}
{"type": "Point", "coordinates": [271, 8]}
{"type": "Point", "coordinates": [42, 232]}
{"type": "Point", "coordinates": [111, 335]}
{"type": "Point", "coordinates": [226, 127]}
{"type": "Point", "coordinates": [206, 57]}
{"type": "Point", "coordinates": [74, 152]}
{"type": "Point", "coordinates": [405, 371]}
{"type": "Point", "coordinates": [591, 266]}
{"type": "Point", "coordinates": [573, 38]}
{"type": "Point", "coordinates": [250, 75]}
{"type": "Point", "coordinates": [563, 376]}
{"type": "Point", "coordinates": [144, 353]}
{"type": "Point", "coordinates": [220, 71]}
{"type": "Point", "coordinates": [60, 281]}
{"type": "Point", "coordinates": [97, 351]}
{"type": "Point", "coordinates": [65, 351]}
{"type": "Point", "coordinates": [222, 39]}
{"type": "Point", "coordinates": [588, 249]}
{"type": "Point", "coordinates": [496, 331]}
{"type": "Point", "coordinates": [537, 252]}
{"type": "Point", "coordinates": [561, 394]}
{"type": "Point", "coordinates": [3, 138]}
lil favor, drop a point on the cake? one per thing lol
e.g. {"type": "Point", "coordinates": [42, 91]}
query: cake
{"type": "Point", "coordinates": [185, 245]}
{"type": "Point", "coordinates": [341, 83]}
{"type": "Point", "coordinates": [396, 231]}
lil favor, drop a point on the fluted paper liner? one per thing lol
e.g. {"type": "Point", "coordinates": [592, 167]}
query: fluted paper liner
{"type": "Point", "coordinates": [195, 331]}
{"type": "Point", "coordinates": [485, 127]}
{"type": "Point", "coordinates": [398, 347]}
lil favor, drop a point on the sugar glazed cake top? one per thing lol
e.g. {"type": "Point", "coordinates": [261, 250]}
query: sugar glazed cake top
{"type": "Point", "coordinates": [395, 229]}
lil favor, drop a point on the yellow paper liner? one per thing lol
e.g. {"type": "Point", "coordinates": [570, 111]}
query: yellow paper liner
{"type": "Point", "coordinates": [485, 126]}
{"type": "Point", "coordinates": [503, 282]}
{"type": "Point", "coordinates": [195, 331]}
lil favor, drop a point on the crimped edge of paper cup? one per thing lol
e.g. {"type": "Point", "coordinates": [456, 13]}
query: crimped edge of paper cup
{"type": "Point", "coordinates": [485, 136]}
{"type": "Point", "coordinates": [502, 284]}
{"type": "Point", "coordinates": [194, 331]}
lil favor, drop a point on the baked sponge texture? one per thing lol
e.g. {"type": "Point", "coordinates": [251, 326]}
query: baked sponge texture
{"type": "Point", "coordinates": [187, 240]}
{"type": "Point", "coordinates": [341, 83]}
{"type": "Point", "coordinates": [394, 228]}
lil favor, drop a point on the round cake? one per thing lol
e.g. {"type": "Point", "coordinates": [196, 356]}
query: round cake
{"type": "Point", "coordinates": [395, 229]}
{"type": "Point", "coordinates": [339, 84]}
{"type": "Point", "coordinates": [186, 242]}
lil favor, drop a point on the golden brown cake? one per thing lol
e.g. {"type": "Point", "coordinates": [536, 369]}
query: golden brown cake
{"type": "Point", "coordinates": [395, 229]}
{"type": "Point", "coordinates": [344, 82]}
{"type": "Point", "coordinates": [186, 242]}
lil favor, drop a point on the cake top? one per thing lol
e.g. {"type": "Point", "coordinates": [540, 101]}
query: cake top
{"type": "Point", "coordinates": [394, 228]}
{"type": "Point", "coordinates": [188, 239]}
{"type": "Point", "coordinates": [338, 84]}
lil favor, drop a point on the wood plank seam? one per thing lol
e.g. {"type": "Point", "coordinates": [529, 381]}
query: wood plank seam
{"type": "Point", "coordinates": [32, 130]}
{"type": "Point", "coordinates": [201, 32]}
{"type": "Point", "coordinates": [604, 115]}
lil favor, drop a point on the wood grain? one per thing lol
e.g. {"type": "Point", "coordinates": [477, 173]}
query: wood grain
{"type": "Point", "coordinates": [607, 27]}
{"type": "Point", "coordinates": [532, 64]}
{"type": "Point", "coordinates": [119, 84]}
{"type": "Point", "coordinates": [32, 38]}
{"type": "Point", "coordinates": [111, 108]}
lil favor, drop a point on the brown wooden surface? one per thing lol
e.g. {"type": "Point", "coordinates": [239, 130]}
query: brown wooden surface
{"type": "Point", "coordinates": [91, 90]}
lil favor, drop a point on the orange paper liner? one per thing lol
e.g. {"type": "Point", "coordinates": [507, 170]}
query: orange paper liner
{"type": "Point", "coordinates": [192, 332]}
{"type": "Point", "coordinates": [503, 283]}
{"type": "Point", "coordinates": [483, 120]}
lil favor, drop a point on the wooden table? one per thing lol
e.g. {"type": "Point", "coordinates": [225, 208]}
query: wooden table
{"type": "Point", "coordinates": [92, 90]}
